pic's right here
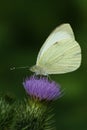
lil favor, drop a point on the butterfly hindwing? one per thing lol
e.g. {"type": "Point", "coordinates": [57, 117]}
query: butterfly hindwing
{"type": "Point", "coordinates": [61, 57]}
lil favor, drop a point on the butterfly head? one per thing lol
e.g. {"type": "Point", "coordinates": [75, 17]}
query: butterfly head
{"type": "Point", "coordinates": [38, 70]}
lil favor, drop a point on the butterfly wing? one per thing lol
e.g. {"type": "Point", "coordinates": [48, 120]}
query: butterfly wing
{"type": "Point", "coordinates": [62, 32]}
{"type": "Point", "coordinates": [61, 57]}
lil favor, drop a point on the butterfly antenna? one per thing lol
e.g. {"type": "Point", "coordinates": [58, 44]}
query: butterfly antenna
{"type": "Point", "coordinates": [13, 68]}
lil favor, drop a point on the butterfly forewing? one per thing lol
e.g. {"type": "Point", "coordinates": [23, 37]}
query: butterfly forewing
{"type": "Point", "coordinates": [62, 32]}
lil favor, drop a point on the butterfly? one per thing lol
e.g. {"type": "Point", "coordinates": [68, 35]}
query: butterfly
{"type": "Point", "coordinates": [60, 53]}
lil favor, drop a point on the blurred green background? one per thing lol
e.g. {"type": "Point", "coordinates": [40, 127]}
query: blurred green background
{"type": "Point", "coordinates": [24, 26]}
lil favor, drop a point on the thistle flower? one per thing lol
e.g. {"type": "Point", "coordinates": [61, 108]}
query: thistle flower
{"type": "Point", "coordinates": [42, 88]}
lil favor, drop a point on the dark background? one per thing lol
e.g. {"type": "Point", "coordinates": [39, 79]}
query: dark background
{"type": "Point", "coordinates": [24, 26]}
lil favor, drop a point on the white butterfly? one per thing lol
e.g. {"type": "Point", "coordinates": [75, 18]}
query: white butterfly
{"type": "Point", "coordinates": [59, 54]}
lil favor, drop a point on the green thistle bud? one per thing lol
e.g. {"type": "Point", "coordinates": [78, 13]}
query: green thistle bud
{"type": "Point", "coordinates": [6, 115]}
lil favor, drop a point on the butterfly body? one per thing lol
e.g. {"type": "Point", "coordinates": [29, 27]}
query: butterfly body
{"type": "Point", "coordinates": [60, 53]}
{"type": "Point", "coordinates": [38, 70]}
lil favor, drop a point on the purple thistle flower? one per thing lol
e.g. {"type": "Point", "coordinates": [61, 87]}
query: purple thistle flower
{"type": "Point", "coordinates": [41, 88]}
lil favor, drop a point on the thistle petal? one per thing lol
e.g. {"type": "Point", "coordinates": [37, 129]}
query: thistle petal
{"type": "Point", "coordinates": [42, 88]}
